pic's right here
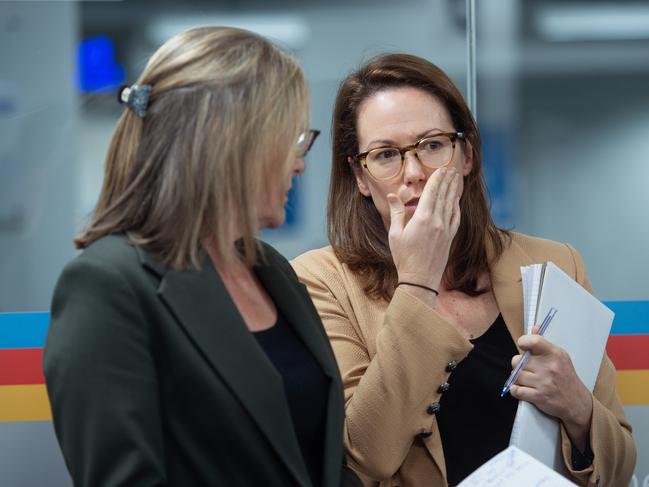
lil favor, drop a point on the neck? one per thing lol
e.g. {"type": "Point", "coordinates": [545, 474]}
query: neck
{"type": "Point", "coordinates": [230, 263]}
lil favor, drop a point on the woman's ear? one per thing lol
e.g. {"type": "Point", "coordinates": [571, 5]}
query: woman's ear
{"type": "Point", "coordinates": [467, 166]}
{"type": "Point", "coordinates": [360, 177]}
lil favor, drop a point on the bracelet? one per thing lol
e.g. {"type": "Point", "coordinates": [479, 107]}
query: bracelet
{"type": "Point", "coordinates": [419, 285]}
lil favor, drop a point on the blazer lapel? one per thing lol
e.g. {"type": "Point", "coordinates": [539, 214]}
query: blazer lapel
{"type": "Point", "coordinates": [202, 305]}
{"type": "Point", "coordinates": [293, 301]}
{"type": "Point", "coordinates": [508, 288]}
{"type": "Point", "coordinates": [294, 304]}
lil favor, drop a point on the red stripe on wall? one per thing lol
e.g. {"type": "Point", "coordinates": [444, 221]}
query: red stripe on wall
{"type": "Point", "coordinates": [629, 352]}
{"type": "Point", "coordinates": [21, 366]}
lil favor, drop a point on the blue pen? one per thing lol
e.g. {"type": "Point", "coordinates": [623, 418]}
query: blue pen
{"type": "Point", "coordinates": [526, 355]}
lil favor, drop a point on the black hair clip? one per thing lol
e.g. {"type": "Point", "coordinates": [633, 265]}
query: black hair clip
{"type": "Point", "coordinates": [136, 97]}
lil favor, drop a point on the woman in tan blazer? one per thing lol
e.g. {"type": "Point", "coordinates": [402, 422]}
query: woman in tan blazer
{"type": "Point", "coordinates": [421, 296]}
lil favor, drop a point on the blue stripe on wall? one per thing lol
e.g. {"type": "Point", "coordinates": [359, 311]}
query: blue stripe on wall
{"type": "Point", "coordinates": [631, 317]}
{"type": "Point", "coordinates": [28, 330]}
{"type": "Point", "coordinates": [23, 330]}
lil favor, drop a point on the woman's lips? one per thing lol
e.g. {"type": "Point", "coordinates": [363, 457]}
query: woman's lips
{"type": "Point", "coordinates": [412, 203]}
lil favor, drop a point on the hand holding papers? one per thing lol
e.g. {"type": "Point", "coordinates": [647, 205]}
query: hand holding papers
{"type": "Point", "coordinates": [513, 468]}
{"type": "Point", "coordinates": [580, 328]}
{"type": "Point", "coordinates": [526, 355]}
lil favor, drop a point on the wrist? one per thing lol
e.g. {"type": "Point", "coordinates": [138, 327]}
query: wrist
{"type": "Point", "coordinates": [578, 421]}
{"type": "Point", "coordinates": [430, 280]}
{"type": "Point", "coordinates": [423, 295]}
{"type": "Point", "coordinates": [418, 286]}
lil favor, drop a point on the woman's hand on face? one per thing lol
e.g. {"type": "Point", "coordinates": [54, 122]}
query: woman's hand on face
{"type": "Point", "coordinates": [549, 381]}
{"type": "Point", "coordinates": [420, 247]}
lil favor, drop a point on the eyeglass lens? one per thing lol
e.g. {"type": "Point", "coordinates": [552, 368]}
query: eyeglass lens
{"type": "Point", "coordinates": [433, 152]}
{"type": "Point", "coordinates": [305, 141]}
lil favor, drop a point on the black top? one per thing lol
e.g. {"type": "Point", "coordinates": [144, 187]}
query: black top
{"type": "Point", "coordinates": [306, 389]}
{"type": "Point", "coordinates": [475, 423]}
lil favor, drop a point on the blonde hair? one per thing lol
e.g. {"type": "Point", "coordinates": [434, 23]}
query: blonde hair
{"type": "Point", "coordinates": [225, 110]}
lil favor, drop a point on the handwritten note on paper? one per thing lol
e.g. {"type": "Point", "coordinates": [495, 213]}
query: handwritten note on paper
{"type": "Point", "coordinates": [513, 468]}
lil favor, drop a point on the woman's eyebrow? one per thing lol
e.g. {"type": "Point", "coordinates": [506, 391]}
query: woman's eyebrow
{"type": "Point", "coordinates": [392, 143]}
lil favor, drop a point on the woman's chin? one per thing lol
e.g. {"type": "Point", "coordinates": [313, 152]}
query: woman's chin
{"type": "Point", "coordinates": [274, 221]}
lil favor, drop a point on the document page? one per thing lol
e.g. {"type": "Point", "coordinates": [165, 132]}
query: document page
{"type": "Point", "coordinates": [514, 468]}
{"type": "Point", "coordinates": [531, 276]}
{"type": "Point", "coordinates": [581, 327]}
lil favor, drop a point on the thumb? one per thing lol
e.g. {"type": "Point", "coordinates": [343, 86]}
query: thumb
{"type": "Point", "coordinates": [397, 212]}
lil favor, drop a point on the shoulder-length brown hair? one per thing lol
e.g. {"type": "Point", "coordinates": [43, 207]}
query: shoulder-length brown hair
{"type": "Point", "coordinates": [355, 228]}
{"type": "Point", "coordinates": [225, 109]}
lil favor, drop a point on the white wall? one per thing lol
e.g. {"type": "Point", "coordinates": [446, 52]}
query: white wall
{"type": "Point", "coordinates": [38, 171]}
{"type": "Point", "coordinates": [584, 168]}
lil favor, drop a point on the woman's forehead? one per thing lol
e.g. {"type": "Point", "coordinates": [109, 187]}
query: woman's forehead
{"type": "Point", "coordinates": [400, 114]}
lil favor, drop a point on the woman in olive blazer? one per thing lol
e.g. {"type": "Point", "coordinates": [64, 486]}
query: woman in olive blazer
{"type": "Point", "coordinates": [154, 378]}
{"type": "Point", "coordinates": [183, 351]}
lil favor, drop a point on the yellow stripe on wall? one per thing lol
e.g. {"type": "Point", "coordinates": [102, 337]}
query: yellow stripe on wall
{"type": "Point", "coordinates": [24, 403]}
{"type": "Point", "coordinates": [30, 402]}
{"type": "Point", "coordinates": [633, 386]}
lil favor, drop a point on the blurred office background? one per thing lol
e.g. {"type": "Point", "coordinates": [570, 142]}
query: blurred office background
{"type": "Point", "coordinates": [563, 106]}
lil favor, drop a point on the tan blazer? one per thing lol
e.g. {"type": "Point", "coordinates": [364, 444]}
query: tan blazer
{"type": "Point", "coordinates": [393, 357]}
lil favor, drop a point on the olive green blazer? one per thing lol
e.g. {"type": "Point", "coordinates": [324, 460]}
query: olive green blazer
{"type": "Point", "coordinates": [155, 380]}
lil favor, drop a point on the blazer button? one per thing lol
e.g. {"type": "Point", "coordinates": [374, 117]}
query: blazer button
{"type": "Point", "coordinates": [425, 434]}
{"type": "Point", "coordinates": [433, 408]}
{"type": "Point", "coordinates": [443, 387]}
{"type": "Point", "coordinates": [451, 366]}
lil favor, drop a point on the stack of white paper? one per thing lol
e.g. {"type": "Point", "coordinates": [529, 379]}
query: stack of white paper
{"type": "Point", "coordinates": [581, 327]}
{"type": "Point", "coordinates": [514, 468]}
{"type": "Point", "coordinates": [532, 276]}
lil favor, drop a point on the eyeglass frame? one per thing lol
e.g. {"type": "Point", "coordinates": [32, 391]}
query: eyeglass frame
{"type": "Point", "coordinates": [361, 157]}
{"type": "Point", "coordinates": [313, 133]}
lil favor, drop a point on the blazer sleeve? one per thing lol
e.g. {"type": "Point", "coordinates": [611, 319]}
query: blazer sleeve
{"type": "Point", "coordinates": [388, 387]}
{"type": "Point", "coordinates": [101, 380]}
{"type": "Point", "coordinates": [614, 452]}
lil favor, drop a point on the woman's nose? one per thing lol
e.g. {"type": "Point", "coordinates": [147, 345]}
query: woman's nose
{"type": "Point", "coordinates": [299, 165]}
{"type": "Point", "coordinates": [413, 170]}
